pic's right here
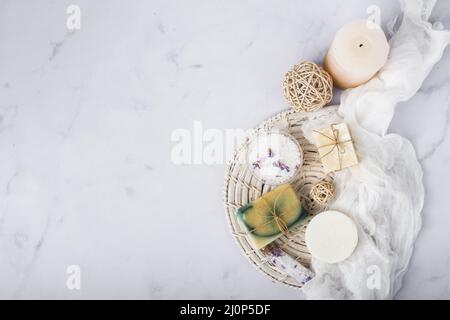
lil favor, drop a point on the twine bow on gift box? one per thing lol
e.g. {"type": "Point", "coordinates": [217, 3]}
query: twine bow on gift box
{"type": "Point", "coordinates": [335, 142]}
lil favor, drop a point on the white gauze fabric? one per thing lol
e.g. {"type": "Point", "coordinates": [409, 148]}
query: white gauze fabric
{"type": "Point", "coordinates": [383, 194]}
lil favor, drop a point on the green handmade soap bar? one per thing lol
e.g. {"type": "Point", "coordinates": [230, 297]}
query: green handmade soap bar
{"type": "Point", "coordinates": [272, 215]}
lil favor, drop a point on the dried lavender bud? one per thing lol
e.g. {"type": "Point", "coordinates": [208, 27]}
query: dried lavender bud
{"type": "Point", "coordinates": [281, 166]}
{"type": "Point", "coordinates": [256, 164]}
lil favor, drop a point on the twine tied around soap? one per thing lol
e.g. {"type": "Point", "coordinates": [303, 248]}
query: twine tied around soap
{"type": "Point", "coordinates": [335, 142]}
{"type": "Point", "coordinates": [281, 224]}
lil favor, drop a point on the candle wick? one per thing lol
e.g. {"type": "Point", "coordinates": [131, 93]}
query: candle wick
{"type": "Point", "coordinates": [361, 45]}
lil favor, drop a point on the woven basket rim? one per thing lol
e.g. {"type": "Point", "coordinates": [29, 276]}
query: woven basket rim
{"type": "Point", "coordinates": [255, 255]}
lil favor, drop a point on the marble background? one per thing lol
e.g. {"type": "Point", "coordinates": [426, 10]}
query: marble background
{"type": "Point", "coordinates": [86, 119]}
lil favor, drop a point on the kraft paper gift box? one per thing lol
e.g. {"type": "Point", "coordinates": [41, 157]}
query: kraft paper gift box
{"type": "Point", "coordinates": [272, 215]}
{"type": "Point", "coordinates": [336, 148]}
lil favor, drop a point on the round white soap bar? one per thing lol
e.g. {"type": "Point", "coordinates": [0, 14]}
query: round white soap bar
{"type": "Point", "coordinates": [331, 237]}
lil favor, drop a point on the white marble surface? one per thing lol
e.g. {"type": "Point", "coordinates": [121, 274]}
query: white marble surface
{"type": "Point", "coordinates": [86, 118]}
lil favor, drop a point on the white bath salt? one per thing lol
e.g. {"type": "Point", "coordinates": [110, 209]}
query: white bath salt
{"type": "Point", "coordinates": [274, 158]}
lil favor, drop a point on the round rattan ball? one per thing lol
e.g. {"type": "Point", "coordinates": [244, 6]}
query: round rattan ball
{"type": "Point", "coordinates": [323, 192]}
{"type": "Point", "coordinates": [307, 87]}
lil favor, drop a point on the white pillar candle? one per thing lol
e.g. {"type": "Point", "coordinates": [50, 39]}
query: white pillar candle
{"type": "Point", "coordinates": [359, 50]}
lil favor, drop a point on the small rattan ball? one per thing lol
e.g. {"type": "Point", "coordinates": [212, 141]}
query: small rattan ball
{"type": "Point", "coordinates": [307, 87]}
{"type": "Point", "coordinates": [323, 192]}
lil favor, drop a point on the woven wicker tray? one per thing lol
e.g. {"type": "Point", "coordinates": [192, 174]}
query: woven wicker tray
{"type": "Point", "coordinates": [242, 188]}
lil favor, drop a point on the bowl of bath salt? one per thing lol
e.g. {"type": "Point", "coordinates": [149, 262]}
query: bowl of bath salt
{"type": "Point", "coordinates": [274, 157]}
